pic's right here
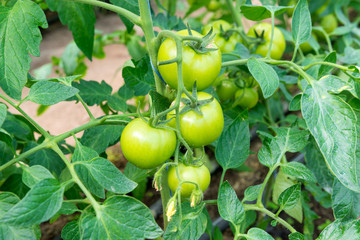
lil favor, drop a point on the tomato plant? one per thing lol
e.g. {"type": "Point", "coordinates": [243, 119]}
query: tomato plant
{"type": "Point", "coordinates": [146, 146]}
{"type": "Point", "coordinates": [184, 113]}
{"type": "Point", "coordinates": [190, 175]}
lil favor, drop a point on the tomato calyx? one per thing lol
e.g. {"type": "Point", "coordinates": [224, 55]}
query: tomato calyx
{"type": "Point", "coordinates": [203, 46]}
{"type": "Point", "coordinates": [193, 104]}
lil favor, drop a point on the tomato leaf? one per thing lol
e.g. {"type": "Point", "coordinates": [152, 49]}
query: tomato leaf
{"type": "Point", "coordinates": [38, 205]}
{"type": "Point", "coordinates": [100, 137]}
{"type": "Point", "coordinates": [301, 23]}
{"type": "Point", "coordinates": [234, 143]}
{"type": "Point", "coordinates": [230, 207]}
{"type": "Point", "coordinates": [99, 173]}
{"type": "Point", "coordinates": [283, 182]}
{"type": "Point", "coordinates": [120, 217]}
{"type": "Point", "coordinates": [258, 13]}
{"type": "Point", "coordinates": [251, 193]}
{"type": "Point", "coordinates": [324, 69]}
{"type": "Point", "coordinates": [139, 78]}
{"type": "Point", "coordinates": [32, 175]}
{"type": "Point", "coordinates": [332, 122]}
{"type": "Point", "coordinates": [296, 236]}
{"type": "Point", "coordinates": [80, 18]}
{"type": "Point", "coordinates": [168, 22]}
{"type": "Point", "coordinates": [49, 93]}
{"type": "Point", "coordinates": [264, 75]}
{"type": "Point", "coordinates": [295, 104]}
{"type": "Point", "coordinates": [20, 36]}
{"type": "Point", "coordinates": [71, 231]}
{"type": "Point", "coordinates": [93, 92]}
{"type": "Point", "coordinates": [7, 201]}
{"type": "Point", "coordinates": [290, 197]}
{"type": "Point", "coordinates": [132, 6]}
{"type": "Point", "coordinates": [286, 140]}
{"type": "Point", "coordinates": [258, 234]}
{"type": "Point", "coordinates": [341, 230]}
{"type": "Point", "coordinates": [316, 163]}
{"type": "Point", "coordinates": [299, 171]}
{"type": "Point", "coordinates": [345, 203]}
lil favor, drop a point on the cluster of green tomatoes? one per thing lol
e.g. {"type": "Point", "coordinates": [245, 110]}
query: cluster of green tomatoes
{"type": "Point", "coordinates": [202, 122]}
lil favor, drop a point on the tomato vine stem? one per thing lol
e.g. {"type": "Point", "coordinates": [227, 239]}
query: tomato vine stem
{"type": "Point", "coordinates": [119, 10]}
{"type": "Point", "coordinates": [270, 214]}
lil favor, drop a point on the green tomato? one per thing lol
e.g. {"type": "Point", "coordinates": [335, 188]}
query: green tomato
{"type": "Point", "coordinates": [305, 47]}
{"type": "Point", "coordinates": [226, 44]}
{"type": "Point", "coordinates": [200, 67]}
{"type": "Point", "coordinates": [329, 23]}
{"type": "Point", "coordinates": [200, 130]}
{"type": "Point", "coordinates": [226, 90]}
{"type": "Point", "coordinates": [198, 175]}
{"type": "Point", "coordinates": [246, 98]}
{"type": "Point", "coordinates": [278, 45]}
{"type": "Point", "coordinates": [147, 147]}
{"type": "Point", "coordinates": [213, 5]}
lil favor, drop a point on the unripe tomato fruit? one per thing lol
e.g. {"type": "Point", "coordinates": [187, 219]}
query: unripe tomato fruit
{"type": "Point", "coordinates": [225, 45]}
{"type": "Point", "coordinates": [200, 130]}
{"type": "Point", "coordinates": [147, 147]}
{"type": "Point", "coordinates": [226, 90]}
{"type": "Point", "coordinates": [200, 67]}
{"type": "Point", "coordinates": [199, 175]}
{"type": "Point", "coordinates": [246, 97]}
{"type": "Point", "coordinates": [278, 45]}
{"type": "Point", "coordinates": [213, 5]}
{"type": "Point", "coordinates": [329, 23]}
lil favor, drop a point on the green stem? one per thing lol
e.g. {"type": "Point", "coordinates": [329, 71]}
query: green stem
{"type": "Point", "coordinates": [259, 198]}
{"type": "Point", "coordinates": [235, 14]}
{"type": "Point", "coordinates": [76, 179]}
{"type": "Point", "coordinates": [269, 113]}
{"type": "Point", "coordinates": [147, 27]}
{"type": "Point", "coordinates": [119, 10]}
{"type": "Point", "coordinates": [270, 214]}
{"type": "Point", "coordinates": [85, 106]}
{"type": "Point", "coordinates": [37, 126]}
{"type": "Point", "coordinates": [268, 55]}
{"type": "Point", "coordinates": [211, 202]}
{"type": "Point", "coordinates": [344, 68]}
{"type": "Point", "coordinates": [23, 156]}
{"type": "Point", "coordinates": [294, 55]}
{"type": "Point", "coordinates": [222, 177]}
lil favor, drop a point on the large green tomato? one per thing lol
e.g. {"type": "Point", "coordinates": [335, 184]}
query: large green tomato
{"type": "Point", "coordinates": [246, 97]}
{"type": "Point", "coordinates": [147, 147]}
{"type": "Point", "coordinates": [329, 23]}
{"type": "Point", "coordinates": [226, 45]}
{"type": "Point", "coordinates": [226, 90]}
{"type": "Point", "coordinates": [200, 130]}
{"type": "Point", "coordinates": [200, 67]}
{"type": "Point", "coordinates": [199, 175]}
{"type": "Point", "coordinates": [278, 45]}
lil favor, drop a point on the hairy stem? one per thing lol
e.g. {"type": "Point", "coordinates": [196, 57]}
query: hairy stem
{"type": "Point", "coordinates": [270, 214]}
{"type": "Point", "coordinates": [85, 106]}
{"type": "Point", "coordinates": [135, 19]}
{"type": "Point", "coordinates": [37, 126]}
